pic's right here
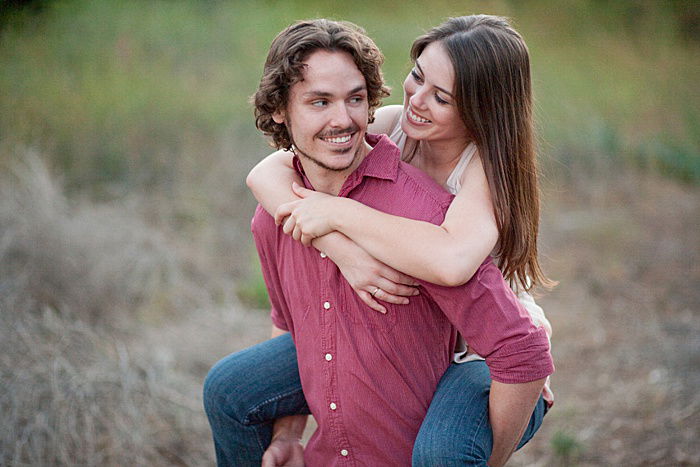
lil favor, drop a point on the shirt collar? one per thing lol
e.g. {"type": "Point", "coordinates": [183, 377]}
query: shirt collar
{"type": "Point", "coordinates": [381, 162]}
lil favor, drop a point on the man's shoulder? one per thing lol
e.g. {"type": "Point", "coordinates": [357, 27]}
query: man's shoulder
{"type": "Point", "coordinates": [411, 194]}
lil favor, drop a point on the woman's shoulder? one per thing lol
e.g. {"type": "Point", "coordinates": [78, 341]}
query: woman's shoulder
{"type": "Point", "coordinates": [385, 119]}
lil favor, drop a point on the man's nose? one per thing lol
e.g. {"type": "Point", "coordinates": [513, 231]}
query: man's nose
{"type": "Point", "coordinates": [341, 117]}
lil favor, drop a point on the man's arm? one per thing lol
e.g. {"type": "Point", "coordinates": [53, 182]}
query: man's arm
{"type": "Point", "coordinates": [510, 409]}
{"type": "Point", "coordinates": [285, 448]}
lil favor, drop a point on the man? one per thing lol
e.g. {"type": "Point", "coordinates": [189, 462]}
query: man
{"type": "Point", "coordinates": [367, 378]}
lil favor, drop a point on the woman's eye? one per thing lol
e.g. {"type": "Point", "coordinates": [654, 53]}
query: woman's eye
{"type": "Point", "coordinates": [416, 76]}
{"type": "Point", "coordinates": [440, 100]}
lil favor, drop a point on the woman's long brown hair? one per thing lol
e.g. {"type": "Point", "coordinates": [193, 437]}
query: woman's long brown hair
{"type": "Point", "coordinates": [494, 98]}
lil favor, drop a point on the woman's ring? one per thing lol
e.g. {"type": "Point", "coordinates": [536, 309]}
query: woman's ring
{"type": "Point", "coordinates": [376, 289]}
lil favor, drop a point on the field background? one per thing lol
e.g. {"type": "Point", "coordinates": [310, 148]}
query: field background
{"type": "Point", "coordinates": [126, 264]}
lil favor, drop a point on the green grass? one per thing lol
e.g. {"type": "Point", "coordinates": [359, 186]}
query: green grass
{"type": "Point", "coordinates": [252, 290]}
{"type": "Point", "coordinates": [565, 447]}
{"type": "Point", "coordinates": [120, 93]}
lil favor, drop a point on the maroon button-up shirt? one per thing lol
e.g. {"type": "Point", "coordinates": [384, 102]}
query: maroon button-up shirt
{"type": "Point", "coordinates": [369, 378]}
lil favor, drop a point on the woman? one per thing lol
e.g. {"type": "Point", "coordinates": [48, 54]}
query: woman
{"type": "Point", "coordinates": [466, 121]}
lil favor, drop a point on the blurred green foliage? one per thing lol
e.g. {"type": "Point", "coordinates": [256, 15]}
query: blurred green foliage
{"type": "Point", "coordinates": [252, 291]}
{"type": "Point", "coordinates": [565, 447]}
{"type": "Point", "coordinates": [131, 94]}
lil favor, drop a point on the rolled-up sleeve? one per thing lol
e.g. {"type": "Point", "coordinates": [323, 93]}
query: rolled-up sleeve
{"type": "Point", "coordinates": [496, 325]}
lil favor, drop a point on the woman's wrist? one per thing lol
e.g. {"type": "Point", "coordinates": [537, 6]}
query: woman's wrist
{"type": "Point", "coordinates": [342, 214]}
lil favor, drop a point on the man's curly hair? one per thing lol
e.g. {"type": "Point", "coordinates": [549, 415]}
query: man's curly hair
{"type": "Point", "coordinates": [284, 67]}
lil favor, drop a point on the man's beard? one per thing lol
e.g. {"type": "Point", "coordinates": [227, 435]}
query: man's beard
{"type": "Point", "coordinates": [299, 152]}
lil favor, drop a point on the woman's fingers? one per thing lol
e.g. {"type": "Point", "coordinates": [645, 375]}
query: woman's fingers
{"type": "Point", "coordinates": [289, 225]}
{"type": "Point", "coordinates": [398, 277]}
{"type": "Point", "coordinates": [394, 288]}
{"type": "Point", "coordinates": [296, 233]}
{"type": "Point", "coordinates": [385, 296]}
{"type": "Point", "coordinates": [370, 301]}
{"type": "Point", "coordinates": [284, 211]}
{"type": "Point", "coordinates": [306, 239]}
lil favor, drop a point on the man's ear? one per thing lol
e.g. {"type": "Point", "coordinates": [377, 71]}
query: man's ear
{"type": "Point", "coordinates": [279, 116]}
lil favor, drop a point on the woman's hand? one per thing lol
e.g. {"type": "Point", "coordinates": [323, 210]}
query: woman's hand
{"type": "Point", "coordinates": [309, 217]}
{"type": "Point", "coordinates": [371, 279]}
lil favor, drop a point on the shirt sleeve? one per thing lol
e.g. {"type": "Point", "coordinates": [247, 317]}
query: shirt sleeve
{"type": "Point", "coordinates": [489, 316]}
{"type": "Point", "coordinates": [264, 232]}
{"type": "Point", "coordinates": [536, 312]}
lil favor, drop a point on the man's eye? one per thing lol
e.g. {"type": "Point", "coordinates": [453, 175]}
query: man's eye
{"type": "Point", "coordinates": [319, 103]}
{"type": "Point", "coordinates": [357, 100]}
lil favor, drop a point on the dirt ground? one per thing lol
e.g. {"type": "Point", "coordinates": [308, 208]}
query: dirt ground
{"type": "Point", "coordinates": [626, 325]}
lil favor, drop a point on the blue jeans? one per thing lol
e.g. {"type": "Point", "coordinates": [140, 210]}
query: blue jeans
{"type": "Point", "coordinates": [456, 429]}
{"type": "Point", "coordinates": [245, 392]}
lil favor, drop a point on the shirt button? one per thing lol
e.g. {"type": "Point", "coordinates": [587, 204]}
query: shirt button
{"type": "Point", "coordinates": [326, 305]}
{"type": "Point", "coordinates": [323, 255]}
{"type": "Point", "coordinates": [344, 453]}
{"type": "Point", "coordinates": [333, 406]}
{"type": "Point", "coordinates": [329, 357]}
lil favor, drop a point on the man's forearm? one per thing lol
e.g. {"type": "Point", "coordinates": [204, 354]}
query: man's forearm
{"type": "Point", "coordinates": [510, 409]}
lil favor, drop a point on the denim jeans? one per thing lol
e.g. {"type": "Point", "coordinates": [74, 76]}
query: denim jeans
{"type": "Point", "coordinates": [245, 392]}
{"type": "Point", "coordinates": [456, 429]}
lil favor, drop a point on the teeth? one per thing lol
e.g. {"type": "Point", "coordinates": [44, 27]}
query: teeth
{"type": "Point", "coordinates": [416, 118]}
{"type": "Point", "coordinates": [338, 140]}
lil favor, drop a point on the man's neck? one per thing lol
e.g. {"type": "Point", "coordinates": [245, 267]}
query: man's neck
{"type": "Point", "coordinates": [331, 181]}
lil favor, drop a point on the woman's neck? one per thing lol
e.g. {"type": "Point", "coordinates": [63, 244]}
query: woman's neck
{"type": "Point", "coordinates": [438, 158]}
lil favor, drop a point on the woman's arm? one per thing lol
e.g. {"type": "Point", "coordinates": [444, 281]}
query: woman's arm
{"type": "Point", "coordinates": [385, 119]}
{"type": "Point", "coordinates": [364, 273]}
{"type": "Point", "coordinates": [446, 254]}
{"type": "Point", "coordinates": [510, 409]}
{"type": "Point", "coordinates": [271, 180]}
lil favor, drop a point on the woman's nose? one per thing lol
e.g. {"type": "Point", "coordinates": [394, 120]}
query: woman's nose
{"type": "Point", "coordinates": [417, 100]}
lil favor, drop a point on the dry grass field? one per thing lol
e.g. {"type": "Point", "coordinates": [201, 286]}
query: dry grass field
{"type": "Point", "coordinates": [127, 267]}
{"type": "Point", "coordinates": [87, 380]}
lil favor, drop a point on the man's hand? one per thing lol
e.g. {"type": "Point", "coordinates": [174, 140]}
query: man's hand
{"type": "Point", "coordinates": [283, 451]}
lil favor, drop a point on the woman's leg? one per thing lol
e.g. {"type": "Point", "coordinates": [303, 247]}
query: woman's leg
{"type": "Point", "coordinates": [456, 429]}
{"type": "Point", "coordinates": [245, 393]}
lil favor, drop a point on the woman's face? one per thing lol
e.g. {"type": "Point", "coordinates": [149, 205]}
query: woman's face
{"type": "Point", "coordinates": [430, 111]}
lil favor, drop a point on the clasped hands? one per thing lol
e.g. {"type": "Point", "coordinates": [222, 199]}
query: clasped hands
{"type": "Point", "coordinates": [309, 217]}
{"type": "Point", "coordinates": [314, 216]}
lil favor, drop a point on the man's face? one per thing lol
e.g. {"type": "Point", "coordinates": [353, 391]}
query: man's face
{"type": "Point", "coordinates": [327, 111]}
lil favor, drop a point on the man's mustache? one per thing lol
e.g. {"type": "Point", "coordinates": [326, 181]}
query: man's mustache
{"type": "Point", "coordinates": [344, 131]}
